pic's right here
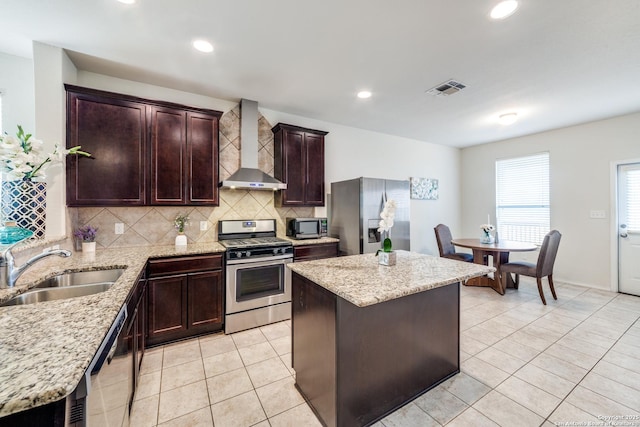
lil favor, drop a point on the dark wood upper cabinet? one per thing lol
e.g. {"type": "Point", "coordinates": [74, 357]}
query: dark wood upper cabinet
{"type": "Point", "coordinates": [144, 152]}
{"type": "Point", "coordinates": [299, 162]}
{"type": "Point", "coordinates": [202, 152]}
{"type": "Point", "coordinates": [114, 132]}
{"type": "Point", "coordinates": [168, 150]}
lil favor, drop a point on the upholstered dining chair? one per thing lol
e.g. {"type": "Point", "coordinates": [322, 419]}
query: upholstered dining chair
{"type": "Point", "coordinates": [543, 268]}
{"type": "Point", "coordinates": [446, 248]}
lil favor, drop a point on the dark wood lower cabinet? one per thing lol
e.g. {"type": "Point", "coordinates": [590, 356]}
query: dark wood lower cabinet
{"type": "Point", "coordinates": [205, 300]}
{"type": "Point", "coordinates": [187, 303]}
{"type": "Point", "coordinates": [50, 415]}
{"type": "Point", "coordinates": [167, 298]}
{"type": "Point", "coordinates": [315, 251]}
{"type": "Point", "coordinates": [140, 333]}
{"type": "Point", "coordinates": [355, 365]}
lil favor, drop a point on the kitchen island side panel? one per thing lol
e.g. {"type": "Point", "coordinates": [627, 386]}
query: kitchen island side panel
{"type": "Point", "coordinates": [356, 364]}
{"type": "Point", "coordinates": [313, 332]}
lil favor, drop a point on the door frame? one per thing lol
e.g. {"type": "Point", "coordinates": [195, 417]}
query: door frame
{"type": "Point", "coordinates": [614, 226]}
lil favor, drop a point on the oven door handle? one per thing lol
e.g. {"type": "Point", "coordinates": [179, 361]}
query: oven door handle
{"type": "Point", "coordinates": [260, 259]}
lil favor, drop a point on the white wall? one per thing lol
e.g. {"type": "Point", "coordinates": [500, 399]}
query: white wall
{"type": "Point", "coordinates": [580, 162]}
{"type": "Point", "coordinates": [143, 90]}
{"type": "Point", "coordinates": [16, 86]}
{"type": "Point", "coordinates": [52, 69]}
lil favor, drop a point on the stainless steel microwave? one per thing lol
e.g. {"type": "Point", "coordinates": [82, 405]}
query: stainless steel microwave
{"type": "Point", "coordinates": [306, 228]}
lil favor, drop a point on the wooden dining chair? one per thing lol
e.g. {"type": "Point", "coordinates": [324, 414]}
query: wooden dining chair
{"type": "Point", "coordinates": [446, 248]}
{"type": "Point", "coordinates": [543, 268]}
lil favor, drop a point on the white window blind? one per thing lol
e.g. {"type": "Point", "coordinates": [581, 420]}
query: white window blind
{"type": "Point", "coordinates": [522, 198]}
{"type": "Point", "coordinates": [632, 183]}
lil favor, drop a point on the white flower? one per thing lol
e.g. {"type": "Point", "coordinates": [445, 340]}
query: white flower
{"type": "Point", "coordinates": [487, 228]}
{"type": "Point", "coordinates": [22, 157]}
{"type": "Point", "coordinates": [387, 215]}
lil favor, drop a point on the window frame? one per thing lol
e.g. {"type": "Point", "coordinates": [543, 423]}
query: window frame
{"type": "Point", "coordinates": [516, 193]}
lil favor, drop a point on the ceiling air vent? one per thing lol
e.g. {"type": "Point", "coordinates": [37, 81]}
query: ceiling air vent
{"type": "Point", "coordinates": [447, 88]}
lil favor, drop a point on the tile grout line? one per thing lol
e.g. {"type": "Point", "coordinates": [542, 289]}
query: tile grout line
{"type": "Point", "coordinates": [588, 371]}
{"type": "Point", "coordinates": [540, 352]}
{"type": "Point", "coordinates": [595, 364]}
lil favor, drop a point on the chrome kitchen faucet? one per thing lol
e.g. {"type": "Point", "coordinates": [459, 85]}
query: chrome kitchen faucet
{"type": "Point", "coordinates": [9, 273]}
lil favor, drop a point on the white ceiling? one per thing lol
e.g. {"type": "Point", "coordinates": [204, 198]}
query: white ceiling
{"type": "Point", "coordinates": [555, 62]}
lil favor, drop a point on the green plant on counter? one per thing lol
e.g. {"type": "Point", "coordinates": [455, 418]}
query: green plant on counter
{"type": "Point", "coordinates": [180, 222]}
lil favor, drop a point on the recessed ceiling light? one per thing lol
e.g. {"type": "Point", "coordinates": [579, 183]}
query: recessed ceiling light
{"type": "Point", "coordinates": [364, 94]}
{"type": "Point", "coordinates": [507, 118]}
{"type": "Point", "coordinates": [203, 46]}
{"type": "Point", "coordinates": [504, 9]}
{"type": "Point", "coordinates": [127, 1]}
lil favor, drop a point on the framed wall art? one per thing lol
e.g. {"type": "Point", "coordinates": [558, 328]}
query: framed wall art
{"type": "Point", "coordinates": [424, 188]}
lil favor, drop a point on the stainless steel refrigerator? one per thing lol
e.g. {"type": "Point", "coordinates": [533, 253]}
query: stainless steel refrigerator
{"type": "Point", "coordinates": [355, 214]}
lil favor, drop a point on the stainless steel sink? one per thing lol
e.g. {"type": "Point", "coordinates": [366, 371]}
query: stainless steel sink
{"type": "Point", "coordinates": [68, 285]}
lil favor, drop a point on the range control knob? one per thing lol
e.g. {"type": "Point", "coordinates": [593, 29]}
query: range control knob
{"type": "Point", "coordinates": [275, 251]}
{"type": "Point", "coordinates": [248, 253]}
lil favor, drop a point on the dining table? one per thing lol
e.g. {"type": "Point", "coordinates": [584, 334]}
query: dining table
{"type": "Point", "coordinates": [499, 251]}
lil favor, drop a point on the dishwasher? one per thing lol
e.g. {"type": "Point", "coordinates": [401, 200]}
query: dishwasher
{"type": "Point", "coordinates": [102, 398]}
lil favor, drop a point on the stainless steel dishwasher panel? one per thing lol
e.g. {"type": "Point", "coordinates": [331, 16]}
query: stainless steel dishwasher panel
{"type": "Point", "coordinates": [103, 397]}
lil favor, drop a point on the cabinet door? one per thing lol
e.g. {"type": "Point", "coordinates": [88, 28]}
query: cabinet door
{"type": "Point", "coordinates": [141, 330]}
{"type": "Point", "coordinates": [202, 158]}
{"type": "Point", "coordinates": [299, 162]}
{"type": "Point", "coordinates": [114, 132]}
{"type": "Point", "coordinates": [167, 299]}
{"type": "Point", "coordinates": [205, 301]}
{"type": "Point", "coordinates": [314, 171]}
{"type": "Point", "coordinates": [294, 168]}
{"type": "Point", "coordinates": [315, 251]}
{"type": "Point", "coordinates": [168, 156]}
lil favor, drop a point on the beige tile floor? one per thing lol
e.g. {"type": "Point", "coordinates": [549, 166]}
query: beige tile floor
{"type": "Point", "coordinates": [522, 364]}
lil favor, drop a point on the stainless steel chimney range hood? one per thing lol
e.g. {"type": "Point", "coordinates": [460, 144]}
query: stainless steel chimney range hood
{"type": "Point", "coordinates": [249, 177]}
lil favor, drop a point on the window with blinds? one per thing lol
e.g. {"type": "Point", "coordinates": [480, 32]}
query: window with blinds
{"type": "Point", "coordinates": [632, 208]}
{"type": "Point", "coordinates": [522, 198]}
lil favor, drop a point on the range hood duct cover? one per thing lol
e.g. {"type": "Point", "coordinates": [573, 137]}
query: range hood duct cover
{"type": "Point", "coordinates": [249, 177]}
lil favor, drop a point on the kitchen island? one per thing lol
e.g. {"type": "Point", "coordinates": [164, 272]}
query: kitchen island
{"type": "Point", "coordinates": [368, 338]}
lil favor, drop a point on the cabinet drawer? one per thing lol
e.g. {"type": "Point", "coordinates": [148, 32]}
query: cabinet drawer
{"type": "Point", "coordinates": [319, 251]}
{"type": "Point", "coordinates": [190, 264]}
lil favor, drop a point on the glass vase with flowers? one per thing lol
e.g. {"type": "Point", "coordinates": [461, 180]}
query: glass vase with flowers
{"type": "Point", "coordinates": [486, 236]}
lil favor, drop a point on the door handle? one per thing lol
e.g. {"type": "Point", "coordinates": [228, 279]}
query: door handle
{"type": "Point", "coordinates": [623, 231]}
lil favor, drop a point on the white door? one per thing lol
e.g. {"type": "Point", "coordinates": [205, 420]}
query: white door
{"type": "Point", "coordinates": [629, 228]}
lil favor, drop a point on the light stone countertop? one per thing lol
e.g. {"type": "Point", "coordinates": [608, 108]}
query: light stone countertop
{"type": "Point", "coordinates": [302, 242]}
{"type": "Point", "coordinates": [360, 280]}
{"type": "Point", "coordinates": [45, 348]}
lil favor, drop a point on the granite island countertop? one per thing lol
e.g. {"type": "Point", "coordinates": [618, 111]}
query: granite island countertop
{"type": "Point", "coordinates": [45, 348]}
{"type": "Point", "coordinates": [360, 280]}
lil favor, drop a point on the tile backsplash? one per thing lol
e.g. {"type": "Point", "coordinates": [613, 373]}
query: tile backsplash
{"type": "Point", "coordinates": [153, 225]}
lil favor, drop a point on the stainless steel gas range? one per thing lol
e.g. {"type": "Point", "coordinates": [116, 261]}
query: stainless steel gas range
{"type": "Point", "coordinates": [258, 283]}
